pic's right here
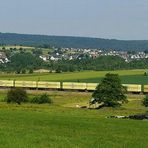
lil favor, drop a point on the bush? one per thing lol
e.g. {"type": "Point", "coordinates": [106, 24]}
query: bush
{"type": "Point", "coordinates": [16, 95]}
{"type": "Point", "coordinates": [30, 70]}
{"type": "Point", "coordinates": [42, 99]}
{"type": "Point", "coordinates": [145, 73]}
{"type": "Point", "coordinates": [145, 101]}
{"type": "Point", "coordinates": [23, 71]}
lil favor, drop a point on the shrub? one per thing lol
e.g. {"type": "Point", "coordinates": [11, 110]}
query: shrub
{"type": "Point", "coordinates": [145, 73]}
{"type": "Point", "coordinates": [16, 95]}
{"type": "Point", "coordinates": [145, 101]}
{"type": "Point", "coordinates": [30, 70]}
{"type": "Point", "coordinates": [23, 71]}
{"type": "Point", "coordinates": [42, 99]}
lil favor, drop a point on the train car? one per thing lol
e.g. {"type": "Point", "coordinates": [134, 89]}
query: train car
{"type": "Point", "coordinates": [133, 88]}
{"type": "Point", "coordinates": [48, 85]}
{"type": "Point", "coordinates": [6, 83]}
{"type": "Point", "coordinates": [91, 86]}
{"type": "Point", "coordinates": [26, 84]}
{"type": "Point", "coordinates": [74, 86]}
{"type": "Point", "coordinates": [145, 89]}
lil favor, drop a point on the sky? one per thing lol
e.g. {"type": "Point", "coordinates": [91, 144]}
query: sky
{"type": "Point", "coordinates": [112, 19]}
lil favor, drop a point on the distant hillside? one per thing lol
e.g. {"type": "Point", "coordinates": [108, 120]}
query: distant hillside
{"type": "Point", "coordinates": [71, 42]}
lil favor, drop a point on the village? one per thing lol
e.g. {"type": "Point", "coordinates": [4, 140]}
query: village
{"type": "Point", "coordinates": [72, 54]}
{"type": "Point", "coordinates": [57, 54]}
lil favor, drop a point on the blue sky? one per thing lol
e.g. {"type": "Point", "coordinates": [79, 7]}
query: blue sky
{"type": "Point", "coordinates": [119, 19]}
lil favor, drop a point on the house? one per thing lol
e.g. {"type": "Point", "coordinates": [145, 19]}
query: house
{"type": "Point", "coordinates": [3, 58]}
{"type": "Point", "coordinates": [44, 57]}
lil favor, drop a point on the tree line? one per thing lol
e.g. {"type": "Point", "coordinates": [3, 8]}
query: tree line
{"type": "Point", "coordinates": [26, 62]}
{"type": "Point", "coordinates": [71, 42]}
{"type": "Point", "coordinates": [100, 63]}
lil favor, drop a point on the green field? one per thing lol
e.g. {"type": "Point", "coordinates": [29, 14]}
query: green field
{"type": "Point", "coordinates": [26, 48]}
{"type": "Point", "coordinates": [62, 125]}
{"type": "Point", "coordinates": [127, 76]}
{"type": "Point", "coordinates": [131, 79]}
{"type": "Point", "coordinates": [17, 47]}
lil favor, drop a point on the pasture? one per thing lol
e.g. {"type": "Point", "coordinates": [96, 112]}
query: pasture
{"type": "Point", "coordinates": [127, 76]}
{"type": "Point", "coordinates": [26, 48]}
{"type": "Point", "coordinates": [16, 47]}
{"type": "Point", "coordinates": [63, 125]}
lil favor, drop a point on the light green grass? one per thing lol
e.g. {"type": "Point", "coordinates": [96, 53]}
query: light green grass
{"type": "Point", "coordinates": [127, 76]}
{"type": "Point", "coordinates": [62, 125]}
{"type": "Point", "coordinates": [26, 48]}
{"type": "Point", "coordinates": [17, 47]}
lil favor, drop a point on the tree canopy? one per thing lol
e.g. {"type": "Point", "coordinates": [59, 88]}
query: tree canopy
{"type": "Point", "coordinates": [21, 62]}
{"type": "Point", "coordinates": [110, 91]}
{"type": "Point", "coordinates": [71, 42]}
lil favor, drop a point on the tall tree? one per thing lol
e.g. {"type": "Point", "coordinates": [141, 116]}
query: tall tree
{"type": "Point", "coordinates": [110, 91]}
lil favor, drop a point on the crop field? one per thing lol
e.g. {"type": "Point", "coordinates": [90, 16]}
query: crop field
{"type": "Point", "coordinates": [17, 47]}
{"type": "Point", "coordinates": [131, 79]}
{"type": "Point", "coordinates": [26, 48]}
{"type": "Point", "coordinates": [127, 76]}
{"type": "Point", "coordinates": [63, 125]}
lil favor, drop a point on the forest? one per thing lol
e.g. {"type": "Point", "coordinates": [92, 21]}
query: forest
{"type": "Point", "coordinates": [27, 62]}
{"type": "Point", "coordinates": [72, 42]}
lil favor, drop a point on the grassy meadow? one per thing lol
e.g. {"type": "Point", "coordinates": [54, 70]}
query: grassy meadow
{"type": "Point", "coordinates": [17, 47]}
{"type": "Point", "coordinates": [62, 125]}
{"type": "Point", "coordinates": [127, 76]}
{"type": "Point", "coordinates": [26, 48]}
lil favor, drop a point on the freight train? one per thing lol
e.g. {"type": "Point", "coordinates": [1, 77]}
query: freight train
{"type": "Point", "coordinates": [131, 88]}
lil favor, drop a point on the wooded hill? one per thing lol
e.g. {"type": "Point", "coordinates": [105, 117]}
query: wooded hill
{"type": "Point", "coordinates": [71, 42]}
